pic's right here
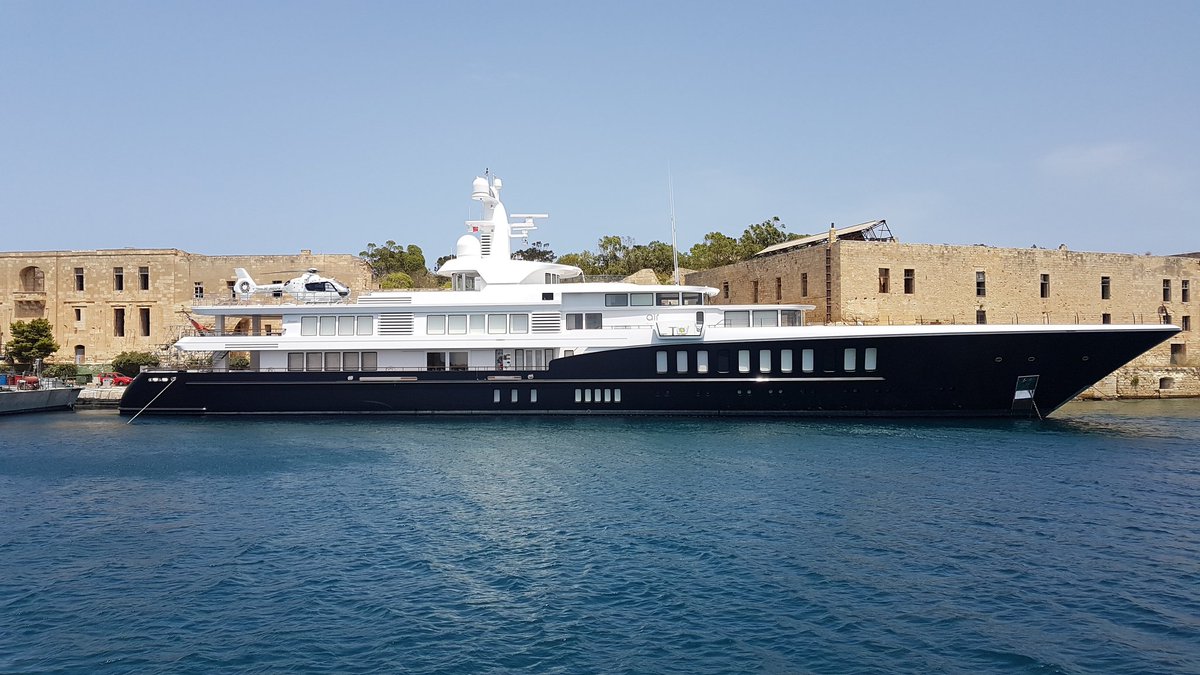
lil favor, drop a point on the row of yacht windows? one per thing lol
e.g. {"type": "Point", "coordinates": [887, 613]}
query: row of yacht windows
{"type": "Point", "coordinates": [332, 361]}
{"type": "Point", "coordinates": [763, 317]}
{"type": "Point", "coordinates": [765, 360]}
{"type": "Point", "coordinates": [476, 324]}
{"type": "Point", "coordinates": [337, 325]}
{"type": "Point", "coordinates": [652, 299]}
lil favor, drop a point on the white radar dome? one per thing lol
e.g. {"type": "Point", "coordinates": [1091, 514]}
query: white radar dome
{"type": "Point", "coordinates": [468, 247]}
{"type": "Point", "coordinates": [479, 189]}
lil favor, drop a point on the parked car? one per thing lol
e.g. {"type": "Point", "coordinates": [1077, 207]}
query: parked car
{"type": "Point", "coordinates": [113, 379]}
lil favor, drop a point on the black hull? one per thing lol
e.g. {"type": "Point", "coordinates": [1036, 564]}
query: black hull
{"type": "Point", "coordinates": [951, 375]}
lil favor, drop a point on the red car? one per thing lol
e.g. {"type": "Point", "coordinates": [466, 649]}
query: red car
{"type": "Point", "coordinates": [115, 379]}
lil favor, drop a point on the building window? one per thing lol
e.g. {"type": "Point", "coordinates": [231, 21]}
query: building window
{"type": "Point", "coordinates": [79, 278]}
{"type": "Point", "coordinates": [79, 315]}
{"type": "Point", "coordinates": [910, 281]}
{"type": "Point", "coordinates": [1106, 318]}
{"type": "Point", "coordinates": [1166, 290]}
{"type": "Point", "coordinates": [118, 279]}
{"type": "Point", "coordinates": [1185, 322]}
{"type": "Point", "coordinates": [144, 320]}
{"type": "Point", "coordinates": [1166, 383]}
{"type": "Point", "coordinates": [804, 284]}
{"type": "Point", "coordinates": [198, 293]}
{"type": "Point", "coordinates": [1045, 285]}
{"type": "Point", "coordinates": [119, 321]}
{"type": "Point", "coordinates": [885, 281]}
{"type": "Point", "coordinates": [1105, 288]}
{"type": "Point", "coordinates": [80, 354]}
{"type": "Point", "coordinates": [232, 292]}
{"type": "Point", "coordinates": [1166, 319]}
{"type": "Point", "coordinates": [144, 278]}
{"type": "Point", "coordinates": [980, 316]}
{"type": "Point", "coordinates": [754, 290]}
{"type": "Point", "coordinates": [980, 284]}
{"type": "Point", "coordinates": [725, 289]}
{"type": "Point", "coordinates": [778, 289]}
{"type": "Point", "coordinates": [1185, 291]}
{"type": "Point", "coordinates": [1179, 355]}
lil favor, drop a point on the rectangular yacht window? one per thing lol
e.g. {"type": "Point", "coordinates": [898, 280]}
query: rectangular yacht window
{"type": "Point", "coordinates": [518, 323]}
{"type": "Point", "coordinates": [693, 298]}
{"type": "Point", "coordinates": [476, 324]}
{"type": "Point", "coordinates": [350, 360]}
{"type": "Point", "coordinates": [660, 362]}
{"type": "Point", "coordinates": [743, 360]}
{"type": "Point", "coordinates": [308, 325]}
{"type": "Point", "coordinates": [593, 320]}
{"type": "Point", "coordinates": [702, 362]}
{"type": "Point", "coordinates": [870, 358]}
{"type": "Point", "coordinates": [329, 325]}
{"type": "Point", "coordinates": [458, 360]}
{"type": "Point", "coordinates": [497, 323]}
{"type": "Point", "coordinates": [435, 324]}
{"type": "Point", "coordinates": [681, 362]}
{"type": "Point", "coordinates": [667, 299]}
{"type": "Point", "coordinates": [641, 299]}
{"type": "Point", "coordinates": [366, 325]}
{"type": "Point", "coordinates": [333, 361]}
{"type": "Point", "coordinates": [456, 324]}
{"type": "Point", "coordinates": [785, 360]}
{"type": "Point", "coordinates": [345, 325]}
{"type": "Point", "coordinates": [849, 359]}
{"type": "Point", "coordinates": [806, 360]}
{"type": "Point", "coordinates": [370, 360]}
{"type": "Point", "coordinates": [737, 319]}
{"type": "Point", "coordinates": [764, 360]}
{"type": "Point", "coordinates": [295, 361]}
{"type": "Point", "coordinates": [313, 360]}
{"type": "Point", "coordinates": [616, 299]}
{"type": "Point", "coordinates": [766, 317]}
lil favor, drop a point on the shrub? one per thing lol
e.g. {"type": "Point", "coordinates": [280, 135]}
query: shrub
{"type": "Point", "coordinates": [239, 362]}
{"type": "Point", "coordinates": [130, 363]}
{"type": "Point", "coordinates": [62, 371]}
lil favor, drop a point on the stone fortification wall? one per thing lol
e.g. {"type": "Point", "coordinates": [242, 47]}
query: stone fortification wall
{"type": "Point", "coordinates": [105, 302]}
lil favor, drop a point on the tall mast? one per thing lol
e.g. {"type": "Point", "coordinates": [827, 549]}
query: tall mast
{"type": "Point", "coordinates": [674, 245]}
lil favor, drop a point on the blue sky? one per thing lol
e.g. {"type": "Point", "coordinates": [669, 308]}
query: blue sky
{"type": "Point", "coordinates": [264, 127]}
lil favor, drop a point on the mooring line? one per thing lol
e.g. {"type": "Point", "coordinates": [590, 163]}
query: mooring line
{"type": "Point", "coordinates": [131, 419]}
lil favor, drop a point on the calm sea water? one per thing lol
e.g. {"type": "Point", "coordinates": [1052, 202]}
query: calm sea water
{"type": "Point", "coordinates": [602, 545]}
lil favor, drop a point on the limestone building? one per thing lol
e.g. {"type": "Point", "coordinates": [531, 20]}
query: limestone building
{"type": "Point", "coordinates": [105, 302]}
{"type": "Point", "coordinates": [861, 274]}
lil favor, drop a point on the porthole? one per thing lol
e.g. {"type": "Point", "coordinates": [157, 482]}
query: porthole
{"type": "Point", "coordinates": [1086, 358]}
{"type": "Point", "coordinates": [1031, 359]}
{"type": "Point", "coordinates": [999, 359]}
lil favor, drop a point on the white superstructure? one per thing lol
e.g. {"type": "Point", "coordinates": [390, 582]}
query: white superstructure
{"type": "Point", "coordinates": [500, 314]}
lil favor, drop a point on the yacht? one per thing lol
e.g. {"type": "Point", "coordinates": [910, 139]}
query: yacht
{"type": "Point", "coordinates": [520, 337]}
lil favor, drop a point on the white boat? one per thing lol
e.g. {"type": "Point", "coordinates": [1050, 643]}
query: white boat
{"type": "Point", "coordinates": [524, 337]}
{"type": "Point", "coordinates": [17, 399]}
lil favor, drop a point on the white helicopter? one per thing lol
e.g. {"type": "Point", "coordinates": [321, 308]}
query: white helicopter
{"type": "Point", "coordinates": [309, 287]}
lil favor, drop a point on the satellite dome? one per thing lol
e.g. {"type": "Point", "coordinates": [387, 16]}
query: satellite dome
{"type": "Point", "coordinates": [467, 247]}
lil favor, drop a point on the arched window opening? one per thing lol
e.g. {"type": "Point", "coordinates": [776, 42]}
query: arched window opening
{"type": "Point", "coordinates": [33, 280]}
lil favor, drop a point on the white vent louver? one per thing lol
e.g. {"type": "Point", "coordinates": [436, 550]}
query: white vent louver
{"type": "Point", "coordinates": [385, 300]}
{"type": "Point", "coordinates": [395, 324]}
{"type": "Point", "coordinates": [546, 322]}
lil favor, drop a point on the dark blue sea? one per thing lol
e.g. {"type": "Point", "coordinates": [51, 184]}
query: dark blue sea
{"type": "Point", "coordinates": [487, 545]}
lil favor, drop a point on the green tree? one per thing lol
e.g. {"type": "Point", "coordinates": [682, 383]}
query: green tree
{"type": "Point", "coordinates": [761, 235]}
{"type": "Point", "coordinates": [584, 260]}
{"type": "Point", "coordinates": [395, 280]}
{"type": "Point", "coordinates": [717, 249]}
{"type": "Point", "coordinates": [392, 257]}
{"type": "Point", "coordinates": [130, 363]}
{"type": "Point", "coordinates": [656, 256]}
{"type": "Point", "coordinates": [537, 251]}
{"type": "Point", "coordinates": [30, 341]}
{"type": "Point", "coordinates": [63, 371]}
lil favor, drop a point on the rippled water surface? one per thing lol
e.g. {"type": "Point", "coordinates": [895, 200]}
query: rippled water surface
{"type": "Point", "coordinates": [602, 545]}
